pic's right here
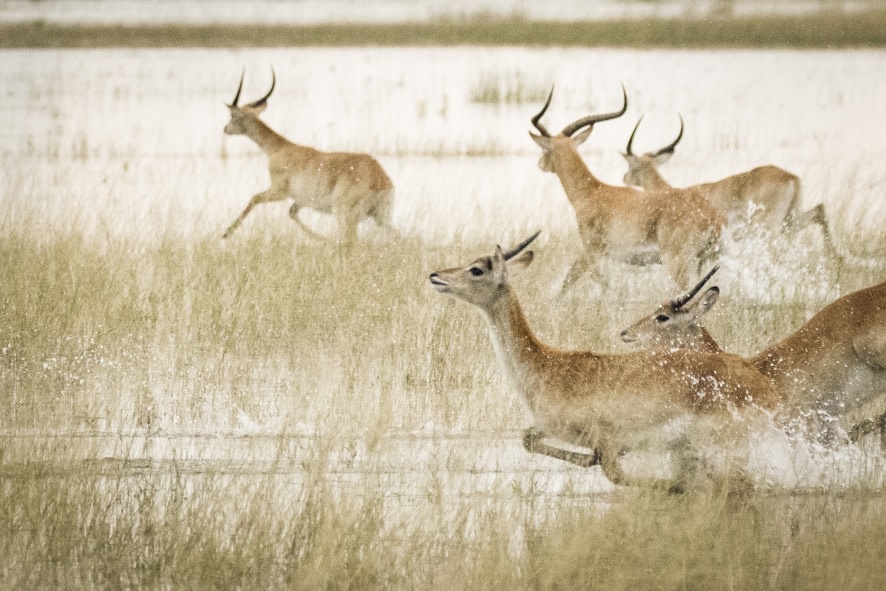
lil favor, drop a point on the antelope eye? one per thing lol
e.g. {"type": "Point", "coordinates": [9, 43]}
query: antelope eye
{"type": "Point", "coordinates": [476, 271]}
{"type": "Point", "coordinates": [661, 318]}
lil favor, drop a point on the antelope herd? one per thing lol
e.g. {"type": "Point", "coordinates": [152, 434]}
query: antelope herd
{"type": "Point", "coordinates": [672, 401]}
{"type": "Point", "coordinates": [678, 397]}
{"type": "Point", "coordinates": [674, 227]}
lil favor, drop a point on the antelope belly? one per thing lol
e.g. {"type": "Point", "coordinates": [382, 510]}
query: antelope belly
{"type": "Point", "coordinates": [646, 254]}
{"type": "Point", "coordinates": [311, 191]}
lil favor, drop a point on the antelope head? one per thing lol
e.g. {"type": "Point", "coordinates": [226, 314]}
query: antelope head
{"type": "Point", "coordinates": [642, 168]}
{"type": "Point", "coordinates": [571, 136]}
{"type": "Point", "coordinates": [484, 281]}
{"type": "Point", "coordinates": [675, 324]}
{"type": "Point", "coordinates": [239, 112]}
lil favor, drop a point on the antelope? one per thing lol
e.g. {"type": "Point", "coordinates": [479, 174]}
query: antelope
{"type": "Point", "coordinates": [350, 186]}
{"type": "Point", "coordinates": [670, 402]}
{"type": "Point", "coordinates": [766, 196]}
{"type": "Point", "coordinates": [831, 370]}
{"type": "Point", "coordinates": [674, 227]}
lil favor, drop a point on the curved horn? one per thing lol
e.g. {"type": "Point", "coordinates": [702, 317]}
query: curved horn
{"type": "Point", "coordinates": [591, 119]}
{"type": "Point", "coordinates": [263, 99]}
{"type": "Point", "coordinates": [519, 248]}
{"type": "Point", "coordinates": [670, 147]}
{"type": "Point", "coordinates": [631, 139]}
{"type": "Point", "coordinates": [535, 120]}
{"type": "Point", "coordinates": [682, 300]}
{"type": "Point", "coordinates": [239, 88]}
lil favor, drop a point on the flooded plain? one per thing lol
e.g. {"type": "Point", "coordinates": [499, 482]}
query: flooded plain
{"type": "Point", "coordinates": [127, 146]}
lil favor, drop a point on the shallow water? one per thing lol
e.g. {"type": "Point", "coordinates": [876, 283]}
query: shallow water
{"type": "Point", "coordinates": [129, 143]}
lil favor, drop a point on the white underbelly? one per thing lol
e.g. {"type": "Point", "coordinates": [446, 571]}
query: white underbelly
{"type": "Point", "coordinates": [636, 254]}
{"type": "Point", "coordinates": [311, 193]}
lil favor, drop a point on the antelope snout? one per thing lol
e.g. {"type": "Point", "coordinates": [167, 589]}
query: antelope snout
{"type": "Point", "coordinates": [627, 337]}
{"type": "Point", "coordinates": [437, 281]}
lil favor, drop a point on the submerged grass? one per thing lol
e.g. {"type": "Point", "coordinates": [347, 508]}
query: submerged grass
{"type": "Point", "coordinates": [498, 88]}
{"type": "Point", "coordinates": [85, 530]}
{"type": "Point", "coordinates": [145, 340]}
{"type": "Point", "coordinates": [98, 333]}
{"type": "Point", "coordinates": [144, 379]}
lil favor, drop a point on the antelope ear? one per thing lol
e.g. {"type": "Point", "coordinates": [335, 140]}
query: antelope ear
{"type": "Point", "coordinates": [579, 138]}
{"type": "Point", "coordinates": [707, 301]}
{"type": "Point", "coordinates": [543, 141]}
{"type": "Point", "coordinates": [663, 157]}
{"type": "Point", "coordinates": [518, 263]}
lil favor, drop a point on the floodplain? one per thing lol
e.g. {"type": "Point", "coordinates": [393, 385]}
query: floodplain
{"type": "Point", "coordinates": [180, 410]}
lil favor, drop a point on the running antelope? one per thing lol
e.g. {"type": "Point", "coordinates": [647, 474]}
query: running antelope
{"type": "Point", "coordinates": [678, 402]}
{"type": "Point", "coordinates": [766, 196]}
{"type": "Point", "coordinates": [350, 186]}
{"type": "Point", "coordinates": [675, 227]}
{"type": "Point", "coordinates": [831, 370]}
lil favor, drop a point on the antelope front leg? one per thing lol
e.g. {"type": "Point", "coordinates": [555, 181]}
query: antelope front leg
{"type": "Point", "coordinates": [263, 197]}
{"type": "Point", "coordinates": [797, 222]}
{"type": "Point", "coordinates": [579, 268]}
{"type": "Point", "coordinates": [681, 264]}
{"type": "Point", "coordinates": [532, 442]}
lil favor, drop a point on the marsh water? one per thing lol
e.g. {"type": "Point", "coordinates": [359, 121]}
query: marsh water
{"type": "Point", "coordinates": [110, 143]}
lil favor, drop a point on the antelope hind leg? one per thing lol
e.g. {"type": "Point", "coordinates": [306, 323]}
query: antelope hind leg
{"type": "Point", "coordinates": [581, 265]}
{"type": "Point", "coordinates": [532, 442]}
{"type": "Point", "coordinates": [293, 213]}
{"type": "Point", "coordinates": [816, 215]}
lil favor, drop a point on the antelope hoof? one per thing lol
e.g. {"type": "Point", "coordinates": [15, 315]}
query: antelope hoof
{"type": "Point", "coordinates": [531, 437]}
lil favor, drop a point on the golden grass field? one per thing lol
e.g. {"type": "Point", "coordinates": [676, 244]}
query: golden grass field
{"type": "Point", "coordinates": [180, 411]}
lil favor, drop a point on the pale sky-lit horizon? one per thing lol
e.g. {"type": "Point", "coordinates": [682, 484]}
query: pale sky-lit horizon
{"type": "Point", "coordinates": [325, 11]}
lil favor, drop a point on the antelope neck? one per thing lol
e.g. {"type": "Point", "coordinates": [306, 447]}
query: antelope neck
{"type": "Point", "coordinates": [516, 346]}
{"type": "Point", "coordinates": [266, 138]}
{"type": "Point", "coordinates": [652, 179]}
{"type": "Point", "coordinates": [575, 176]}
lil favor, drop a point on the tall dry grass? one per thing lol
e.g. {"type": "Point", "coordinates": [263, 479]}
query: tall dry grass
{"type": "Point", "coordinates": [181, 412]}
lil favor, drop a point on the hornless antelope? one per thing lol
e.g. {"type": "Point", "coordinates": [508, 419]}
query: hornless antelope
{"type": "Point", "coordinates": [831, 370]}
{"type": "Point", "coordinates": [350, 186]}
{"type": "Point", "coordinates": [670, 402]}
{"type": "Point", "coordinates": [674, 227]}
{"type": "Point", "coordinates": [765, 196]}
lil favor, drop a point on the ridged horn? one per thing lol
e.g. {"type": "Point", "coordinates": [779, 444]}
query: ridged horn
{"type": "Point", "coordinates": [670, 147]}
{"type": "Point", "coordinates": [573, 127]}
{"type": "Point", "coordinates": [536, 120]}
{"type": "Point", "coordinates": [682, 300]}
{"type": "Point", "coordinates": [239, 88]}
{"type": "Point", "coordinates": [519, 248]}
{"type": "Point", "coordinates": [631, 139]}
{"type": "Point", "coordinates": [263, 99]}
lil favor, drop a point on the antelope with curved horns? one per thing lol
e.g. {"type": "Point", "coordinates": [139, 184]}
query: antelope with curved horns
{"type": "Point", "coordinates": [674, 227]}
{"type": "Point", "coordinates": [765, 196]}
{"type": "Point", "coordinates": [678, 402]}
{"type": "Point", "coordinates": [352, 187]}
{"type": "Point", "coordinates": [833, 369]}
